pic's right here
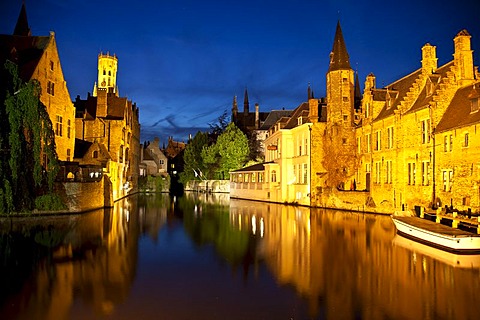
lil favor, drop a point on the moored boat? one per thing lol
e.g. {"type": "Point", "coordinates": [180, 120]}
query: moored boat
{"type": "Point", "coordinates": [437, 235]}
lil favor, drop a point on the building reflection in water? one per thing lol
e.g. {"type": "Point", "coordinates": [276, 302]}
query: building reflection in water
{"type": "Point", "coordinates": [348, 265]}
{"type": "Point", "coordinates": [341, 265]}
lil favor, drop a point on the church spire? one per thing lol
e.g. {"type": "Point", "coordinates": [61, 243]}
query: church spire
{"type": "Point", "coordinates": [22, 28]}
{"type": "Point", "coordinates": [339, 59]}
{"type": "Point", "coordinates": [357, 93]}
{"type": "Point", "coordinates": [246, 104]}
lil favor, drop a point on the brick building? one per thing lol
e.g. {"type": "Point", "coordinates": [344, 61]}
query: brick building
{"type": "Point", "coordinates": [111, 124]}
{"type": "Point", "coordinates": [411, 143]}
{"type": "Point", "coordinates": [37, 58]}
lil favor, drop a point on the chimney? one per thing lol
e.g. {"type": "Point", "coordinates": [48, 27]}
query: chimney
{"type": "Point", "coordinates": [313, 110]}
{"type": "Point", "coordinates": [463, 58]}
{"type": "Point", "coordinates": [370, 82]}
{"type": "Point", "coordinates": [429, 59]}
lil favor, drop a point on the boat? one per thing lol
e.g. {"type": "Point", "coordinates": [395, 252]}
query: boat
{"type": "Point", "coordinates": [437, 235]}
{"type": "Point", "coordinates": [467, 261]}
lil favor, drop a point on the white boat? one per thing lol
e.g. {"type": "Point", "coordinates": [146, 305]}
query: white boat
{"type": "Point", "coordinates": [437, 235]}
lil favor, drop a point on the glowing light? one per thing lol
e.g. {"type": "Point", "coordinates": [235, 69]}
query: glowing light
{"type": "Point", "coordinates": [254, 225]}
{"type": "Point", "coordinates": [262, 227]}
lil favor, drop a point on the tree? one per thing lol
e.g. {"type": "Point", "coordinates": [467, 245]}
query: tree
{"type": "Point", "coordinates": [233, 149]}
{"type": "Point", "coordinates": [26, 136]}
{"type": "Point", "coordinates": [193, 161]}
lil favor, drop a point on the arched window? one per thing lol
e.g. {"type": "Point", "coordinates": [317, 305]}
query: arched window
{"type": "Point", "coordinates": [274, 176]}
{"type": "Point", "coordinates": [104, 72]}
{"type": "Point", "coordinates": [95, 154]}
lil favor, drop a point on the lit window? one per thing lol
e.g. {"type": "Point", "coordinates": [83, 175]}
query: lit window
{"type": "Point", "coordinates": [388, 178]}
{"type": "Point", "coordinates": [274, 176]}
{"type": "Point", "coordinates": [378, 172]}
{"type": "Point", "coordinates": [447, 176]}
{"type": "Point", "coordinates": [425, 131]}
{"type": "Point", "coordinates": [305, 173]}
{"type": "Point", "coordinates": [59, 126]}
{"type": "Point", "coordinates": [378, 140]}
{"type": "Point", "coordinates": [368, 142]}
{"type": "Point", "coordinates": [425, 173]}
{"type": "Point", "coordinates": [390, 138]}
{"type": "Point", "coordinates": [411, 173]}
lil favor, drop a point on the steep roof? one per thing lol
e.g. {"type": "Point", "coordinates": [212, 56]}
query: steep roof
{"type": "Point", "coordinates": [273, 117]}
{"type": "Point", "coordinates": [297, 113]}
{"type": "Point", "coordinates": [25, 51]}
{"type": "Point", "coordinates": [339, 59]}
{"type": "Point", "coordinates": [459, 113]}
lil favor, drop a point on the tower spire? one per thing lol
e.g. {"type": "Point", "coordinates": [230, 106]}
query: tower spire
{"type": "Point", "coordinates": [246, 104]}
{"type": "Point", "coordinates": [339, 59]}
{"type": "Point", "coordinates": [22, 28]}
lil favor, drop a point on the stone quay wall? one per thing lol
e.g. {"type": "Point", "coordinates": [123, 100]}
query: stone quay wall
{"type": "Point", "coordinates": [211, 186]}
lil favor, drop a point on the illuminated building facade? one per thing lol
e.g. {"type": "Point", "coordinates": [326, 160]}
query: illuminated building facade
{"type": "Point", "coordinates": [37, 59]}
{"type": "Point", "coordinates": [411, 143]}
{"type": "Point", "coordinates": [108, 120]}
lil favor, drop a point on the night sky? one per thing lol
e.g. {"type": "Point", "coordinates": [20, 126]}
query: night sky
{"type": "Point", "coordinates": [182, 61]}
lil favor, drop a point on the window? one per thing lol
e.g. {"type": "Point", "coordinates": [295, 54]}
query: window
{"type": "Point", "coordinates": [359, 145]}
{"type": "Point", "coordinates": [162, 162]}
{"type": "Point", "coordinates": [465, 140]}
{"type": "Point", "coordinates": [51, 65]}
{"type": "Point", "coordinates": [59, 126]}
{"type": "Point", "coordinates": [390, 137]}
{"type": "Point", "coordinates": [260, 177]}
{"type": "Point", "coordinates": [254, 176]}
{"type": "Point", "coordinates": [378, 140]}
{"type": "Point", "coordinates": [51, 88]}
{"type": "Point", "coordinates": [104, 72]}
{"type": "Point", "coordinates": [120, 156]}
{"type": "Point", "coordinates": [305, 173]}
{"type": "Point", "coordinates": [344, 141]}
{"type": "Point", "coordinates": [345, 117]}
{"type": "Point", "coordinates": [378, 172]}
{"type": "Point", "coordinates": [299, 174]}
{"type": "Point", "coordinates": [411, 173]}
{"type": "Point", "coordinates": [68, 128]}
{"type": "Point", "coordinates": [68, 154]}
{"type": "Point", "coordinates": [425, 131]}
{"type": "Point", "coordinates": [388, 178]}
{"type": "Point", "coordinates": [367, 167]}
{"type": "Point", "coordinates": [447, 177]}
{"type": "Point", "coordinates": [367, 110]}
{"type": "Point", "coordinates": [368, 142]}
{"type": "Point", "coordinates": [345, 99]}
{"type": "Point", "coordinates": [425, 173]}
{"type": "Point", "coordinates": [95, 154]}
{"type": "Point", "coordinates": [445, 143]}
{"type": "Point", "coordinates": [274, 176]}
{"type": "Point", "coordinates": [474, 105]}
{"type": "Point", "coordinates": [451, 143]}
{"type": "Point", "coordinates": [306, 146]}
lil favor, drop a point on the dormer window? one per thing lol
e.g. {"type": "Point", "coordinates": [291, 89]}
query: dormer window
{"type": "Point", "coordinates": [299, 121]}
{"type": "Point", "coordinates": [474, 105]}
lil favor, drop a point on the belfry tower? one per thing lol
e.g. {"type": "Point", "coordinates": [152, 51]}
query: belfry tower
{"type": "Point", "coordinates": [107, 74]}
{"type": "Point", "coordinates": [340, 83]}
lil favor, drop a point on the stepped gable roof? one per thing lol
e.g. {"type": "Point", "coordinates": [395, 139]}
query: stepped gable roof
{"type": "Point", "coordinates": [273, 117]}
{"type": "Point", "coordinates": [339, 59]}
{"type": "Point", "coordinates": [424, 99]}
{"type": "Point", "coordinates": [25, 51]}
{"type": "Point", "coordinates": [396, 91]}
{"type": "Point", "coordinates": [255, 167]}
{"type": "Point", "coordinates": [459, 113]}
{"type": "Point", "coordinates": [297, 113]}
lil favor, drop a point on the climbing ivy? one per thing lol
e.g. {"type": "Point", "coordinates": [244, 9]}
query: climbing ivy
{"type": "Point", "coordinates": [26, 136]}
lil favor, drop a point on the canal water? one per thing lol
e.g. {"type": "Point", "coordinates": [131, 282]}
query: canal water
{"type": "Point", "coordinates": [208, 257]}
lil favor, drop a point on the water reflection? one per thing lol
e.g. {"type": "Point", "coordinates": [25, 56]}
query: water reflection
{"type": "Point", "coordinates": [143, 256]}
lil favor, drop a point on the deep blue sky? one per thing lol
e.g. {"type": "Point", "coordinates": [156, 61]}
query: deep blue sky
{"type": "Point", "coordinates": [182, 61]}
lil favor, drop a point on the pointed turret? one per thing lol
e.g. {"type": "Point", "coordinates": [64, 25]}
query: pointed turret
{"type": "Point", "coordinates": [357, 94]}
{"type": "Point", "coordinates": [339, 59]}
{"type": "Point", "coordinates": [246, 104]}
{"type": "Point", "coordinates": [22, 28]}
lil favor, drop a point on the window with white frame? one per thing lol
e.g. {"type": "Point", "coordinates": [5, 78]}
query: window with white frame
{"type": "Point", "coordinates": [359, 145]}
{"type": "Point", "coordinates": [305, 173]}
{"type": "Point", "coordinates": [378, 140]}
{"type": "Point", "coordinates": [369, 140]}
{"type": "Point", "coordinates": [447, 177]}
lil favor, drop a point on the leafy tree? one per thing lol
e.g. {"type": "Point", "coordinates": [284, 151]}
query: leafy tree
{"type": "Point", "coordinates": [211, 160]}
{"type": "Point", "coordinates": [193, 161]}
{"type": "Point", "coordinates": [254, 146]}
{"type": "Point", "coordinates": [230, 152]}
{"type": "Point", "coordinates": [26, 135]}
